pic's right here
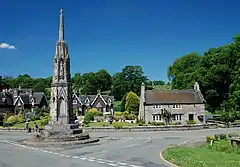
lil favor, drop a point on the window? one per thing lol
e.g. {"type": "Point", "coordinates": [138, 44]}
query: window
{"type": "Point", "coordinates": [157, 117]}
{"type": "Point", "coordinates": [177, 117]}
{"type": "Point", "coordinates": [177, 106]}
{"type": "Point", "coordinates": [157, 106]}
{"type": "Point", "coordinates": [74, 101]}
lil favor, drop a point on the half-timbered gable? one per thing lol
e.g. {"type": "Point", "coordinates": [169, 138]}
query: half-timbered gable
{"type": "Point", "coordinates": [101, 102]}
{"type": "Point", "coordinates": [24, 99]}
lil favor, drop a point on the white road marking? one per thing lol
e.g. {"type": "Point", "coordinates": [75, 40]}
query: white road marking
{"type": "Point", "coordinates": [112, 164]}
{"type": "Point", "coordinates": [90, 159]}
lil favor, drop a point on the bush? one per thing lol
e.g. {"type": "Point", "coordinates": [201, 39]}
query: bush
{"type": "Point", "coordinates": [45, 120]}
{"type": "Point", "coordinates": [217, 136]}
{"type": "Point", "coordinates": [191, 122]}
{"type": "Point", "coordinates": [157, 123]}
{"type": "Point", "coordinates": [141, 123]}
{"type": "Point", "coordinates": [1, 119]}
{"type": "Point", "coordinates": [95, 112]}
{"type": "Point", "coordinates": [21, 118]}
{"type": "Point", "coordinates": [233, 134]}
{"type": "Point", "coordinates": [209, 138]}
{"type": "Point", "coordinates": [118, 113]}
{"type": "Point", "coordinates": [223, 136]}
{"type": "Point", "coordinates": [118, 125]}
{"type": "Point", "coordinates": [12, 120]}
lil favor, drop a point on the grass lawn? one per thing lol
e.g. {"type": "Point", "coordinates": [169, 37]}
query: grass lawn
{"type": "Point", "coordinates": [31, 124]}
{"type": "Point", "coordinates": [221, 154]}
{"type": "Point", "coordinates": [102, 124]}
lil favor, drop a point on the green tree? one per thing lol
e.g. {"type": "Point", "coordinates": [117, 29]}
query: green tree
{"type": "Point", "coordinates": [129, 79]}
{"type": "Point", "coordinates": [167, 116]}
{"type": "Point", "coordinates": [132, 103]}
{"type": "Point", "coordinates": [123, 103]}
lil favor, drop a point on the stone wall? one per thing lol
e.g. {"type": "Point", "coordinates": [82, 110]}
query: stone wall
{"type": "Point", "coordinates": [134, 128]}
{"type": "Point", "coordinates": [185, 110]}
{"type": "Point", "coordinates": [151, 128]}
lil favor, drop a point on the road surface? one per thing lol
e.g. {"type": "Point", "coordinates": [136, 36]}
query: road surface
{"type": "Point", "coordinates": [118, 149]}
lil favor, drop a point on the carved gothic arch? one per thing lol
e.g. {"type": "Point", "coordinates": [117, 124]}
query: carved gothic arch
{"type": "Point", "coordinates": [62, 95]}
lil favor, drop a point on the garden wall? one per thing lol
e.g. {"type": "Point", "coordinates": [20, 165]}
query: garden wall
{"type": "Point", "coordinates": [150, 128]}
{"type": "Point", "coordinates": [134, 128]}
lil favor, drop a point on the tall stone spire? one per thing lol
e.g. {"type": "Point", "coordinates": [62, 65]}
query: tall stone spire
{"type": "Point", "coordinates": [61, 26]}
{"type": "Point", "coordinates": [61, 95]}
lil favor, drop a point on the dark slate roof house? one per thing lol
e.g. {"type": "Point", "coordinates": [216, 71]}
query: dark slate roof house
{"type": "Point", "coordinates": [22, 98]}
{"type": "Point", "coordinates": [103, 103]}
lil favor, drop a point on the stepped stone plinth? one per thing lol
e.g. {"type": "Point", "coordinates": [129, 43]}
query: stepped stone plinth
{"type": "Point", "coordinates": [61, 129]}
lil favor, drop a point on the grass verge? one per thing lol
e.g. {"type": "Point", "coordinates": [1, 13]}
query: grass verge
{"type": "Point", "coordinates": [31, 124]}
{"type": "Point", "coordinates": [221, 154]}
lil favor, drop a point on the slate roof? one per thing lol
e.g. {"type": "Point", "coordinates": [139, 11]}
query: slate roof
{"type": "Point", "coordinates": [6, 98]}
{"type": "Point", "coordinates": [83, 98]}
{"type": "Point", "coordinates": [25, 95]}
{"type": "Point", "coordinates": [173, 97]}
{"type": "Point", "coordinates": [26, 98]}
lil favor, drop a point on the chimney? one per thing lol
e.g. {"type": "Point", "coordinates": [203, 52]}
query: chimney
{"type": "Point", "coordinates": [196, 87]}
{"type": "Point", "coordinates": [141, 115]}
{"type": "Point", "coordinates": [31, 93]}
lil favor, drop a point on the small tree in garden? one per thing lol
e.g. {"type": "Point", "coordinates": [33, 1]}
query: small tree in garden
{"type": "Point", "coordinates": [132, 103]}
{"type": "Point", "coordinates": [166, 116]}
{"type": "Point", "coordinates": [123, 103]}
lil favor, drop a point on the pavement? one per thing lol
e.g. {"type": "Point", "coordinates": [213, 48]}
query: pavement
{"type": "Point", "coordinates": [116, 149]}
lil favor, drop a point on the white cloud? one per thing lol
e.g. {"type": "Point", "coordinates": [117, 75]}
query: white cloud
{"type": "Point", "coordinates": [7, 46]}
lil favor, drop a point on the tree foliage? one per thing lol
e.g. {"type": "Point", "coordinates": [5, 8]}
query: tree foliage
{"type": "Point", "coordinates": [217, 72]}
{"type": "Point", "coordinates": [132, 103]}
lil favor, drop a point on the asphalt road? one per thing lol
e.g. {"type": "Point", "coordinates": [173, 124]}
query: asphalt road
{"type": "Point", "coordinates": [115, 149]}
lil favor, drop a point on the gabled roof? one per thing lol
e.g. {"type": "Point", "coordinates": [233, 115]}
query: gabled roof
{"type": "Point", "coordinates": [5, 98]}
{"type": "Point", "coordinates": [27, 99]}
{"type": "Point", "coordinates": [84, 98]}
{"type": "Point", "coordinates": [173, 97]}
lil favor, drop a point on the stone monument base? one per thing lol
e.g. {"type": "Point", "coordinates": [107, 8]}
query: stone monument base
{"type": "Point", "coordinates": [60, 136]}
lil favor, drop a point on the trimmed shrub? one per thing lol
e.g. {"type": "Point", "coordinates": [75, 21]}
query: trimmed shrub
{"type": "Point", "coordinates": [217, 136]}
{"type": "Point", "coordinates": [157, 123]}
{"type": "Point", "coordinates": [45, 120]}
{"type": "Point", "coordinates": [223, 136]}
{"type": "Point", "coordinates": [141, 123]}
{"type": "Point", "coordinates": [191, 122]}
{"type": "Point", "coordinates": [118, 113]}
{"type": "Point", "coordinates": [118, 125]}
{"type": "Point", "coordinates": [12, 120]}
{"type": "Point", "coordinates": [21, 118]}
{"type": "Point", "coordinates": [95, 112]}
{"type": "Point", "coordinates": [209, 138]}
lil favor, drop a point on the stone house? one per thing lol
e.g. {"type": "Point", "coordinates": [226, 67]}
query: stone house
{"type": "Point", "coordinates": [184, 105]}
{"type": "Point", "coordinates": [19, 99]}
{"type": "Point", "coordinates": [103, 103]}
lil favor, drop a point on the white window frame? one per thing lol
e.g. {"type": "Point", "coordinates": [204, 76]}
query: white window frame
{"type": "Point", "coordinates": [177, 106]}
{"type": "Point", "coordinates": [157, 106]}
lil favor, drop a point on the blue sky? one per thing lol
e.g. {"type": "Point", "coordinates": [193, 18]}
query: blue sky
{"type": "Point", "coordinates": [112, 33]}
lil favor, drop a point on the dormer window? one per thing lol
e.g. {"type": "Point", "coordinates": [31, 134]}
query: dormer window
{"type": "Point", "coordinates": [87, 100]}
{"type": "Point", "coordinates": [3, 99]}
{"type": "Point", "coordinates": [74, 101]}
{"type": "Point", "coordinates": [109, 101]}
